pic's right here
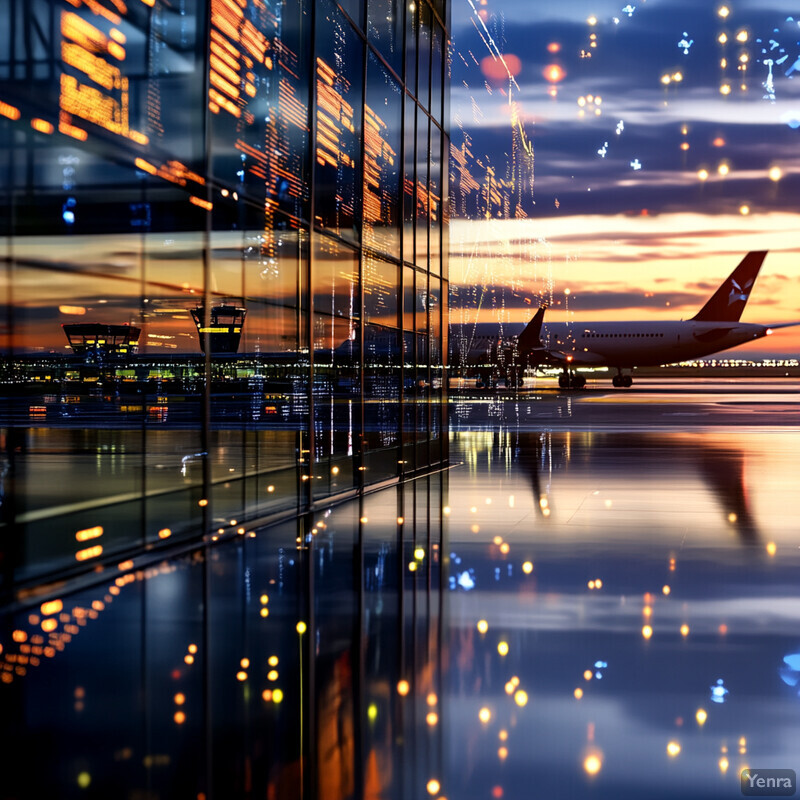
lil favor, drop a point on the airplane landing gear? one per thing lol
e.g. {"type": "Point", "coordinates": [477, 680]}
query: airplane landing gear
{"type": "Point", "coordinates": [622, 381]}
{"type": "Point", "coordinates": [571, 380]}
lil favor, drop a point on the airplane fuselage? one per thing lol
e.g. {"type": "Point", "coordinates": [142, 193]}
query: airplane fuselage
{"type": "Point", "coordinates": [642, 344]}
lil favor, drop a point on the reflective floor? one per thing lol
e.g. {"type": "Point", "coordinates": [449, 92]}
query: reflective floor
{"type": "Point", "coordinates": [619, 617]}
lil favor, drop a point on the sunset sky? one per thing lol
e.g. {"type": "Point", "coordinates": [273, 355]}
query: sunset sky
{"type": "Point", "coordinates": [643, 209]}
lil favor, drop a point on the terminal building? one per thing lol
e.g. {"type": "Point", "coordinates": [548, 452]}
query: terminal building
{"type": "Point", "coordinates": [224, 289]}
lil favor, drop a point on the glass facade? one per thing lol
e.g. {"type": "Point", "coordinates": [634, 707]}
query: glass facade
{"type": "Point", "coordinates": [223, 286]}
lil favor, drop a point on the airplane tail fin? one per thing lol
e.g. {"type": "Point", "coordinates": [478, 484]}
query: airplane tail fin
{"type": "Point", "coordinates": [530, 338]}
{"type": "Point", "coordinates": [728, 302]}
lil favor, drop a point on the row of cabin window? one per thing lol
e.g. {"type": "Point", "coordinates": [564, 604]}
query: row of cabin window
{"type": "Point", "coordinates": [620, 335]}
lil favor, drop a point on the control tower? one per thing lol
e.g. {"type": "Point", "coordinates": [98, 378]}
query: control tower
{"type": "Point", "coordinates": [224, 330]}
{"type": "Point", "coordinates": [99, 343]}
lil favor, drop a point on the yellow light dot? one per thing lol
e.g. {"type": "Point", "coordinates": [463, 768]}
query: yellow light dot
{"type": "Point", "coordinates": [364, 520]}
{"type": "Point", "coordinates": [419, 553]}
{"type": "Point", "coordinates": [587, 674]}
{"type": "Point", "coordinates": [244, 663]}
{"type": "Point", "coordinates": [775, 174]}
{"type": "Point", "coordinates": [723, 11]}
{"type": "Point", "coordinates": [202, 503]}
{"type": "Point", "coordinates": [723, 764]}
{"type": "Point", "coordinates": [510, 688]}
{"type": "Point", "coordinates": [372, 712]}
{"type": "Point", "coordinates": [521, 698]}
{"type": "Point", "coordinates": [272, 675]}
{"type": "Point", "coordinates": [179, 717]}
{"type": "Point", "coordinates": [527, 567]}
{"type": "Point", "coordinates": [503, 735]}
{"type": "Point", "coordinates": [475, 528]}
{"type": "Point", "coordinates": [702, 174]}
{"type": "Point", "coordinates": [744, 210]}
{"type": "Point", "coordinates": [412, 567]}
{"type": "Point", "coordinates": [84, 779]}
{"type": "Point", "coordinates": [723, 169]}
{"type": "Point", "coordinates": [598, 584]}
{"type": "Point", "coordinates": [647, 631]}
{"type": "Point", "coordinates": [277, 696]}
{"type": "Point", "coordinates": [742, 742]}
{"type": "Point", "coordinates": [590, 584]}
{"type": "Point", "coordinates": [301, 627]}
{"type": "Point", "coordinates": [273, 661]}
{"type": "Point", "coordinates": [264, 612]}
{"type": "Point", "coordinates": [515, 681]}
{"type": "Point", "coordinates": [483, 626]}
{"type": "Point", "coordinates": [741, 36]}
{"type": "Point", "coordinates": [431, 718]}
{"type": "Point", "coordinates": [334, 470]}
{"type": "Point", "coordinates": [502, 753]}
{"type": "Point", "coordinates": [403, 688]}
{"type": "Point", "coordinates": [722, 38]}
{"type": "Point", "coordinates": [433, 786]}
{"type": "Point", "coordinates": [270, 489]}
{"type": "Point", "coordinates": [431, 699]}
{"type": "Point", "coordinates": [446, 511]}
{"type": "Point", "coordinates": [266, 695]}
{"type": "Point", "coordinates": [677, 77]}
{"type": "Point", "coordinates": [684, 145]}
{"type": "Point", "coordinates": [504, 548]}
{"type": "Point", "coordinates": [592, 20]}
{"type": "Point", "coordinates": [192, 648]}
{"type": "Point", "coordinates": [578, 693]}
{"type": "Point", "coordinates": [732, 517]}
{"type": "Point", "coordinates": [592, 764]}
{"type": "Point", "coordinates": [484, 715]}
{"type": "Point", "coordinates": [771, 548]}
{"type": "Point", "coordinates": [189, 659]}
{"type": "Point", "coordinates": [264, 599]}
{"type": "Point", "coordinates": [400, 520]}
{"type": "Point", "coordinates": [665, 589]}
{"type": "Point", "coordinates": [502, 648]}
{"type": "Point", "coordinates": [673, 748]}
{"type": "Point", "coordinates": [241, 675]}
{"type": "Point", "coordinates": [684, 630]}
{"type": "Point", "coordinates": [725, 88]}
{"type": "Point", "coordinates": [179, 699]}
{"type": "Point", "coordinates": [665, 79]}
{"type": "Point", "coordinates": [498, 540]}
{"type": "Point", "coordinates": [701, 716]}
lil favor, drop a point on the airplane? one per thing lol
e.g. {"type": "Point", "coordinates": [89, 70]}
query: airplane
{"type": "Point", "coordinates": [622, 346]}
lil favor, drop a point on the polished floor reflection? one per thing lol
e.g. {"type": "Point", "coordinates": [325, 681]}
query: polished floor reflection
{"type": "Point", "coordinates": [598, 599]}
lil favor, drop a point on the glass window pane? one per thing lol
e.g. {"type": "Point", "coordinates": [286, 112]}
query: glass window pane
{"type": "Point", "coordinates": [411, 33]}
{"type": "Point", "coordinates": [409, 178]}
{"type": "Point", "coordinates": [422, 192]}
{"type": "Point", "coordinates": [424, 56]}
{"type": "Point", "coordinates": [385, 30]}
{"type": "Point", "coordinates": [339, 75]}
{"type": "Point", "coordinates": [422, 302]}
{"type": "Point", "coordinates": [335, 278]}
{"type": "Point", "coordinates": [435, 199]}
{"type": "Point", "coordinates": [408, 298]}
{"type": "Point", "coordinates": [437, 65]}
{"type": "Point", "coordinates": [381, 291]}
{"type": "Point", "coordinates": [382, 160]}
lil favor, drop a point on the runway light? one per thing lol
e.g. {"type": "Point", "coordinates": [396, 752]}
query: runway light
{"type": "Point", "coordinates": [673, 748]}
{"type": "Point", "coordinates": [592, 764]}
{"type": "Point", "coordinates": [701, 716]}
